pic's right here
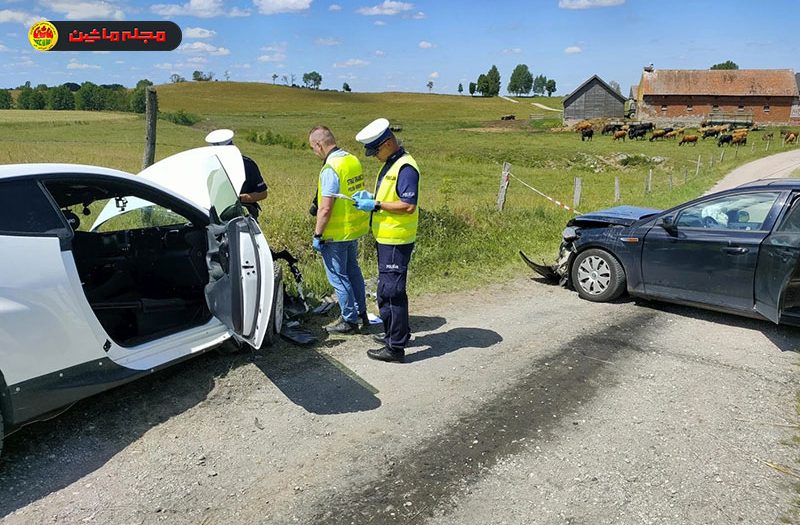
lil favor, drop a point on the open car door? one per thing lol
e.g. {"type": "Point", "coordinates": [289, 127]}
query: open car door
{"type": "Point", "coordinates": [240, 287]}
{"type": "Point", "coordinates": [777, 277]}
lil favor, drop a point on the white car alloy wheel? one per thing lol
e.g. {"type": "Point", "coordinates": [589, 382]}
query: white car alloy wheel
{"type": "Point", "coordinates": [594, 275]}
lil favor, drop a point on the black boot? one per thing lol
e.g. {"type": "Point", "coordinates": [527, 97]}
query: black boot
{"type": "Point", "coordinates": [387, 354]}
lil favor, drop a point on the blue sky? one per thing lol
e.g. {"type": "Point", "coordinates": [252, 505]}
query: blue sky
{"type": "Point", "coordinates": [391, 45]}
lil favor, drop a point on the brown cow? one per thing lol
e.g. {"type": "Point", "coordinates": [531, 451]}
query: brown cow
{"type": "Point", "coordinates": [657, 134]}
{"type": "Point", "coordinates": [671, 135]}
{"type": "Point", "coordinates": [681, 131]}
{"type": "Point", "coordinates": [583, 125]}
{"type": "Point", "coordinates": [620, 135]}
{"type": "Point", "coordinates": [739, 140]}
{"type": "Point", "coordinates": [688, 139]}
{"type": "Point", "coordinates": [791, 138]}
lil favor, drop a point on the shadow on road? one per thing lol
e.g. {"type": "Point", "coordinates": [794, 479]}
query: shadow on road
{"type": "Point", "coordinates": [785, 338]}
{"type": "Point", "coordinates": [318, 382]}
{"type": "Point", "coordinates": [442, 343]}
{"type": "Point", "coordinates": [49, 456]}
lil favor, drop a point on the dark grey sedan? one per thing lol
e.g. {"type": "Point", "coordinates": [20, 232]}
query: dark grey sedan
{"type": "Point", "coordinates": [736, 251]}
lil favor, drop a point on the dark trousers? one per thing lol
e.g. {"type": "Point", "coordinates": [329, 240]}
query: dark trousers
{"type": "Point", "coordinates": [393, 263]}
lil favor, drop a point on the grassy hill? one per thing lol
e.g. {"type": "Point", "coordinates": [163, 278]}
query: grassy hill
{"type": "Point", "coordinates": [459, 142]}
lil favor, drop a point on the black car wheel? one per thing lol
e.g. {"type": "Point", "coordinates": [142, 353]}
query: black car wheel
{"type": "Point", "coordinates": [276, 315]}
{"type": "Point", "coordinates": [598, 276]}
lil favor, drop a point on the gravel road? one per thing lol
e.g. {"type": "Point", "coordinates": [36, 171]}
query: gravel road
{"type": "Point", "coordinates": [519, 403]}
{"type": "Point", "coordinates": [775, 166]}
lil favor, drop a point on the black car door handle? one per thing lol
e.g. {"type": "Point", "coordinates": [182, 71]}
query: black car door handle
{"type": "Point", "coordinates": [735, 250]}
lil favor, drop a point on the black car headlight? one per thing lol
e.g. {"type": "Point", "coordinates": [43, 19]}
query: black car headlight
{"type": "Point", "coordinates": [570, 233]}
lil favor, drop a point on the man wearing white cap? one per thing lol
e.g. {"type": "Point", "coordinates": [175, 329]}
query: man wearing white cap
{"type": "Point", "coordinates": [394, 225]}
{"type": "Point", "coordinates": [254, 188]}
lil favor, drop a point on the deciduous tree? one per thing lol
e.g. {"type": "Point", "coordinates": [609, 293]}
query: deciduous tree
{"type": "Point", "coordinates": [550, 87]}
{"type": "Point", "coordinates": [521, 80]}
{"type": "Point", "coordinates": [312, 79]}
{"type": "Point", "coordinates": [346, 87]}
{"type": "Point", "coordinates": [728, 64]}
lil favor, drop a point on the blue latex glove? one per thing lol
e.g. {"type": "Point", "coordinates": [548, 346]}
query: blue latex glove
{"type": "Point", "coordinates": [364, 204]}
{"type": "Point", "coordinates": [363, 194]}
{"type": "Point", "coordinates": [317, 244]}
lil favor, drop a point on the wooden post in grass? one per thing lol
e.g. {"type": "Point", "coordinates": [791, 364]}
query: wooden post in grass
{"type": "Point", "coordinates": [150, 118]}
{"type": "Point", "coordinates": [697, 170]}
{"type": "Point", "coordinates": [753, 148]}
{"type": "Point", "coordinates": [648, 185]}
{"type": "Point", "coordinates": [504, 180]}
{"type": "Point", "coordinates": [576, 195]}
{"type": "Point", "coordinates": [722, 154]}
{"type": "Point", "coordinates": [767, 147]}
{"type": "Point", "coordinates": [736, 153]}
{"type": "Point", "coordinates": [616, 188]}
{"type": "Point", "coordinates": [783, 141]}
{"type": "Point", "coordinates": [711, 161]}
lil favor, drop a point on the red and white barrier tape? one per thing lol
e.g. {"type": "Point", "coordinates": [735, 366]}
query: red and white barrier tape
{"type": "Point", "coordinates": [554, 201]}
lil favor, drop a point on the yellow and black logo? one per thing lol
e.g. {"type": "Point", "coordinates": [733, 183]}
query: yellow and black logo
{"type": "Point", "coordinates": [43, 36]}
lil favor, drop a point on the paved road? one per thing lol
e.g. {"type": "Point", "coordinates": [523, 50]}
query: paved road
{"type": "Point", "coordinates": [518, 404]}
{"type": "Point", "coordinates": [775, 166]}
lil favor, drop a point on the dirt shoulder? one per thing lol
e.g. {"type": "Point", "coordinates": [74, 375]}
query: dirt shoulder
{"type": "Point", "coordinates": [519, 403]}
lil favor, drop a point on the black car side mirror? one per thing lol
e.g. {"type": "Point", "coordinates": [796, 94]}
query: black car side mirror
{"type": "Point", "coordinates": [669, 226]}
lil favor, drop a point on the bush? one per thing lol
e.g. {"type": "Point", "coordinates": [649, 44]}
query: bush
{"type": "Point", "coordinates": [268, 138]}
{"type": "Point", "coordinates": [180, 118]}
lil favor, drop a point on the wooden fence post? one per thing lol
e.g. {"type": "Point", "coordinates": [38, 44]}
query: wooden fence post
{"type": "Point", "coordinates": [576, 195]}
{"type": "Point", "coordinates": [753, 148]}
{"type": "Point", "coordinates": [504, 180]}
{"type": "Point", "coordinates": [711, 161]}
{"type": "Point", "coordinates": [697, 170]}
{"type": "Point", "coordinates": [616, 188]}
{"type": "Point", "coordinates": [736, 153]}
{"type": "Point", "coordinates": [648, 185]}
{"type": "Point", "coordinates": [151, 117]}
{"type": "Point", "coordinates": [767, 148]}
{"type": "Point", "coordinates": [722, 154]}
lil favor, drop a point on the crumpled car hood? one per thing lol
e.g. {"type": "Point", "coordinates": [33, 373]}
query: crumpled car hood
{"type": "Point", "coordinates": [622, 215]}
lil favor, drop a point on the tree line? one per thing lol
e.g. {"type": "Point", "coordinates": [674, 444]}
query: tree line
{"type": "Point", "coordinates": [522, 82]}
{"type": "Point", "coordinates": [70, 95]}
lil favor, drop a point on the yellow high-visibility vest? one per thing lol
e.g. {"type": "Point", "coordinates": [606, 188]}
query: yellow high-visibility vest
{"type": "Point", "coordinates": [346, 223]}
{"type": "Point", "coordinates": [394, 228]}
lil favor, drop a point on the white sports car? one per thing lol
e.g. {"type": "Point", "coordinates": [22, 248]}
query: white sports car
{"type": "Point", "coordinates": [106, 276]}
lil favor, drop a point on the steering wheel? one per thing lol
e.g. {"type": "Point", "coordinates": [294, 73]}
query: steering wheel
{"type": "Point", "coordinates": [709, 221]}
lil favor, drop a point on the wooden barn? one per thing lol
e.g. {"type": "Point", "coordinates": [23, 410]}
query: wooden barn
{"type": "Point", "coordinates": [593, 99]}
{"type": "Point", "coordinates": [762, 96]}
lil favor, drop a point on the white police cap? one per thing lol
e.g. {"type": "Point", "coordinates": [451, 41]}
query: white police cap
{"type": "Point", "coordinates": [374, 134]}
{"type": "Point", "coordinates": [220, 137]}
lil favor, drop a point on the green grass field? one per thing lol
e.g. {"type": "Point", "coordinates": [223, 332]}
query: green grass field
{"type": "Point", "coordinates": [459, 142]}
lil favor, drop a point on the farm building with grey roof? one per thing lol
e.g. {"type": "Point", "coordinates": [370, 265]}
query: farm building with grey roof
{"type": "Point", "coordinates": [593, 99]}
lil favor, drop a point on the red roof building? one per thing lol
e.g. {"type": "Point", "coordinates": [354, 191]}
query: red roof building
{"type": "Point", "coordinates": [764, 96]}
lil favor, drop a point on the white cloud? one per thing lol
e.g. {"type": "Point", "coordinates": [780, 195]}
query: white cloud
{"type": "Point", "coordinates": [198, 32]}
{"type": "Point", "coordinates": [380, 23]}
{"type": "Point", "coordinates": [87, 9]}
{"type": "Point", "coordinates": [74, 64]}
{"type": "Point", "coordinates": [434, 75]}
{"type": "Point", "coordinates": [588, 4]}
{"type": "Point", "coordinates": [197, 60]}
{"type": "Point", "coordinates": [419, 15]}
{"type": "Point", "coordinates": [327, 42]}
{"type": "Point", "coordinates": [425, 45]}
{"type": "Point", "coordinates": [242, 66]}
{"type": "Point", "coordinates": [204, 48]}
{"type": "Point", "coordinates": [166, 66]}
{"type": "Point", "coordinates": [387, 8]}
{"type": "Point", "coordinates": [379, 53]}
{"type": "Point", "coordinates": [275, 53]}
{"type": "Point", "coordinates": [512, 51]}
{"type": "Point", "coordinates": [348, 76]}
{"type": "Point", "coordinates": [26, 19]}
{"type": "Point", "coordinates": [572, 50]}
{"type": "Point", "coordinates": [272, 7]}
{"type": "Point", "coordinates": [198, 8]}
{"type": "Point", "coordinates": [119, 61]}
{"type": "Point", "coordinates": [3, 48]}
{"type": "Point", "coordinates": [334, 7]}
{"type": "Point", "coordinates": [353, 62]}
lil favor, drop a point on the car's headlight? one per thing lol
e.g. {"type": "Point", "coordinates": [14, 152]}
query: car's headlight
{"type": "Point", "coordinates": [570, 233]}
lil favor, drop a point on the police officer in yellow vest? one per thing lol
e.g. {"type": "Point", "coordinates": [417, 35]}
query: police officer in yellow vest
{"type": "Point", "coordinates": [394, 225]}
{"type": "Point", "coordinates": [338, 228]}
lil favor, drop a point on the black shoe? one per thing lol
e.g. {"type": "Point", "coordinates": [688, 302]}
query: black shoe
{"type": "Point", "coordinates": [379, 338]}
{"type": "Point", "coordinates": [342, 327]}
{"type": "Point", "coordinates": [387, 354]}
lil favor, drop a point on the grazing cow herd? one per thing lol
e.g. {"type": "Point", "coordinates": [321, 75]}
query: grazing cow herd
{"type": "Point", "coordinates": [726, 134]}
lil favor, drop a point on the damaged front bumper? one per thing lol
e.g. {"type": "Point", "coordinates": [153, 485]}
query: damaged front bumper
{"type": "Point", "coordinates": [558, 272]}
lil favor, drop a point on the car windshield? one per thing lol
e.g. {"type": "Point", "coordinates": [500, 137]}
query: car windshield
{"type": "Point", "coordinates": [746, 211]}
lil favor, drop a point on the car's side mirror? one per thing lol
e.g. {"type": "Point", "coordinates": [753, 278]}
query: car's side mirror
{"type": "Point", "coordinates": [668, 224]}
